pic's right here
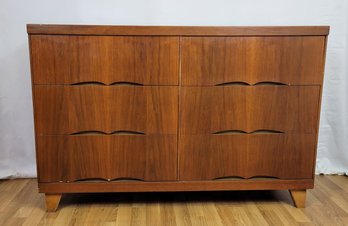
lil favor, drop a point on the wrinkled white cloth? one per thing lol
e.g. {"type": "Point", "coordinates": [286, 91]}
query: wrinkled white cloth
{"type": "Point", "coordinates": [17, 155]}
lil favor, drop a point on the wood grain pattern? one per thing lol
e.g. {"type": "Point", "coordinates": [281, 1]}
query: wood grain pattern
{"type": "Point", "coordinates": [299, 198]}
{"type": "Point", "coordinates": [73, 59]}
{"type": "Point", "coordinates": [103, 158]}
{"type": "Point", "coordinates": [62, 110]}
{"type": "Point", "coordinates": [216, 60]}
{"type": "Point", "coordinates": [52, 202]}
{"type": "Point", "coordinates": [160, 108]}
{"type": "Point", "coordinates": [320, 98]}
{"type": "Point", "coordinates": [176, 30]}
{"type": "Point", "coordinates": [326, 205]}
{"type": "Point", "coordinates": [208, 110]}
{"type": "Point", "coordinates": [283, 156]}
{"type": "Point", "coordinates": [156, 186]}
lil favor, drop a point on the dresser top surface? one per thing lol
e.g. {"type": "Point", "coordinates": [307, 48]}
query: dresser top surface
{"type": "Point", "coordinates": [55, 29]}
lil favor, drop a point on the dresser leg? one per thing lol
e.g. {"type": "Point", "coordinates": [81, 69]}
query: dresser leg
{"type": "Point", "coordinates": [299, 197]}
{"type": "Point", "coordinates": [52, 201]}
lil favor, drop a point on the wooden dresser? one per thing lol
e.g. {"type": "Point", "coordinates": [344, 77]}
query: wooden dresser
{"type": "Point", "coordinates": [140, 108]}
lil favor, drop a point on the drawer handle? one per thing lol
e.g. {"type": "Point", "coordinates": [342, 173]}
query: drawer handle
{"type": "Point", "coordinates": [247, 178]}
{"type": "Point", "coordinates": [259, 131]}
{"type": "Point", "coordinates": [108, 180]}
{"type": "Point", "coordinates": [98, 132]}
{"type": "Point", "coordinates": [123, 83]}
{"type": "Point", "coordinates": [263, 178]}
{"type": "Point", "coordinates": [239, 83]}
{"type": "Point", "coordinates": [229, 178]}
{"type": "Point", "coordinates": [119, 83]}
{"type": "Point", "coordinates": [270, 83]}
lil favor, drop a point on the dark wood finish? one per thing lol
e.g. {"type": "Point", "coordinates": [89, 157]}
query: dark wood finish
{"type": "Point", "coordinates": [52, 201]}
{"type": "Point", "coordinates": [272, 156]}
{"type": "Point", "coordinates": [176, 30]}
{"type": "Point", "coordinates": [320, 97]}
{"type": "Point", "coordinates": [106, 59]}
{"type": "Point", "coordinates": [299, 197]}
{"type": "Point", "coordinates": [218, 60]}
{"type": "Point", "coordinates": [63, 110]}
{"type": "Point", "coordinates": [103, 158]}
{"type": "Point", "coordinates": [176, 186]}
{"type": "Point", "coordinates": [149, 108]}
{"type": "Point", "coordinates": [268, 108]}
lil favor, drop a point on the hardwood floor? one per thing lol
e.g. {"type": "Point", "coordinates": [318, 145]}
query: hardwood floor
{"type": "Point", "coordinates": [327, 204]}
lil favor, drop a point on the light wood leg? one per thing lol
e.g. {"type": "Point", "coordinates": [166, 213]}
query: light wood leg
{"type": "Point", "coordinates": [52, 201]}
{"type": "Point", "coordinates": [299, 198]}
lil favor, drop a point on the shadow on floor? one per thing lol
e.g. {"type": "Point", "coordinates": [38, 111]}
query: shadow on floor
{"type": "Point", "coordinates": [232, 197]}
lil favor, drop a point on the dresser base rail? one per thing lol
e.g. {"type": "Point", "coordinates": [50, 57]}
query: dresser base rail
{"type": "Point", "coordinates": [54, 191]}
{"type": "Point", "coordinates": [95, 187]}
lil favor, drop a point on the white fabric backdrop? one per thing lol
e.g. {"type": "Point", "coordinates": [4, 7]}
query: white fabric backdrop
{"type": "Point", "coordinates": [17, 156]}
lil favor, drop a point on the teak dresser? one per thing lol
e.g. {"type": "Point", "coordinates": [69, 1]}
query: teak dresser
{"type": "Point", "coordinates": [149, 108]}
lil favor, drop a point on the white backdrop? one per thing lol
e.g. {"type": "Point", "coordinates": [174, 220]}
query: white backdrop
{"type": "Point", "coordinates": [17, 155]}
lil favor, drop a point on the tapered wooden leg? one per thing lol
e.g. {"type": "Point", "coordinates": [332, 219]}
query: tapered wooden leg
{"type": "Point", "coordinates": [52, 201]}
{"type": "Point", "coordinates": [299, 198]}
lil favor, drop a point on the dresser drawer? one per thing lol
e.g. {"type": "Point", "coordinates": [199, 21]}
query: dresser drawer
{"type": "Point", "coordinates": [249, 109]}
{"type": "Point", "coordinates": [64, 109]}
{"type": "Point", "coordinates": [108, 157]}
{"type": "Point", "coordinates": [246, 156]}
{"type": "Point", "coordinates": [296, 60]}
{"type": "Point", "coordinates": [69, 59]}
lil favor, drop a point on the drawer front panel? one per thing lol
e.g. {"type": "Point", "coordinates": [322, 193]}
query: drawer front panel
{"type": "Point", "coordinates": [57, 59]}
{"type": "Point", "coordinates": [249, 109]}
{"type": "Point", "coordinates": [248, 156]}
{"type": "Point", "coordinates": [217, 60]}
{"type": "Point", "coordinates": [63, 110]}
{"type": "Point", "coordinates": [103, 158]}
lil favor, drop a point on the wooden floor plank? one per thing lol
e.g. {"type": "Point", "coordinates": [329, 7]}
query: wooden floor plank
{"type": "Point", "coordinates": [327, 204]}
{"type": "Point", "coordinates": [181, 213]}
{"type": "Point", "coordinates": [340, 181]}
